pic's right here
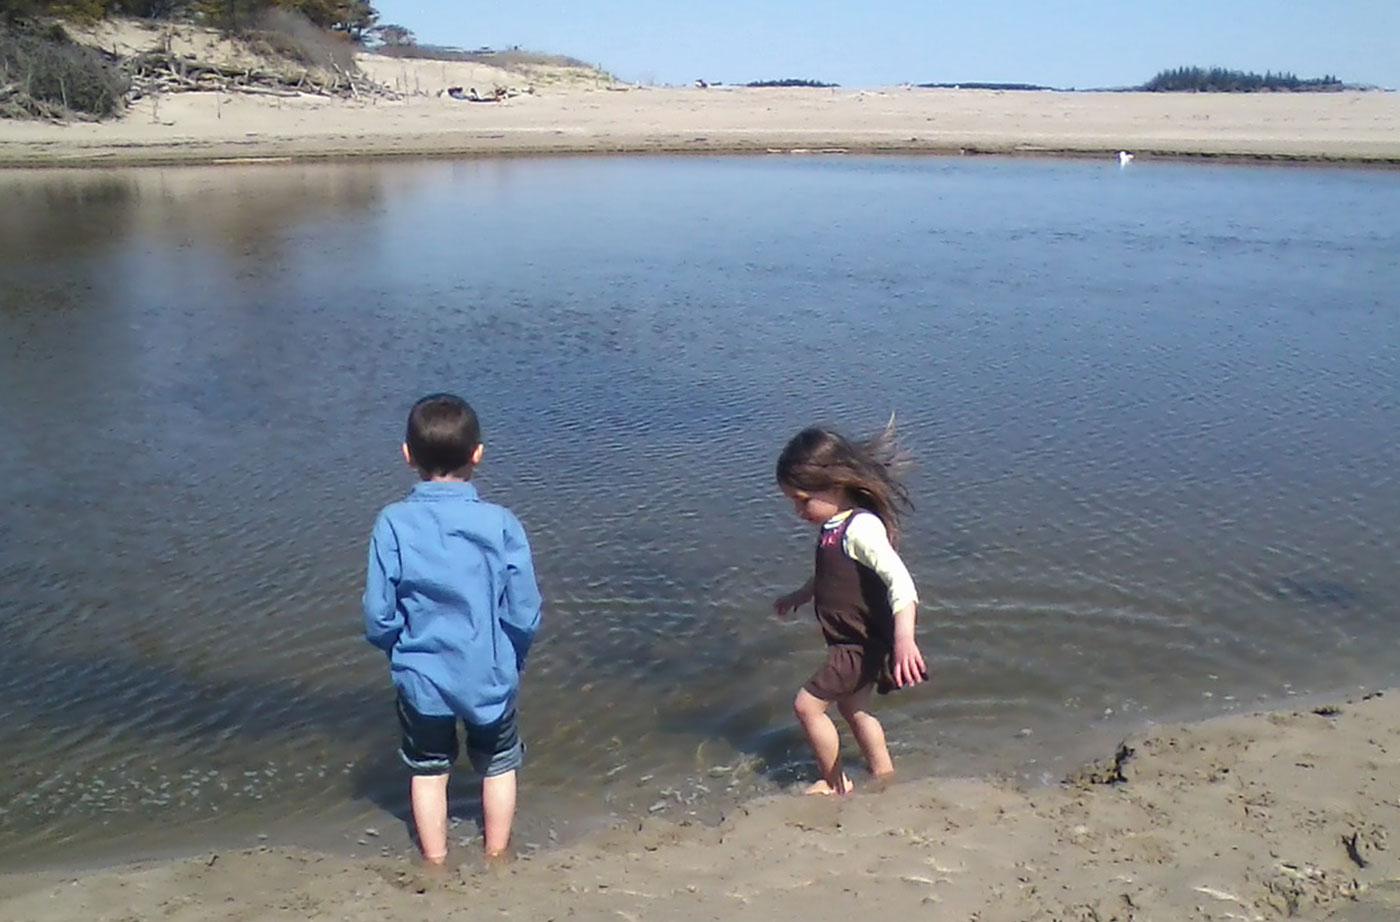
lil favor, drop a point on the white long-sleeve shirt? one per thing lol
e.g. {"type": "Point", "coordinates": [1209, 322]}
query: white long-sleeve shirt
{"type": "Point", "coordinates": [868, 543]}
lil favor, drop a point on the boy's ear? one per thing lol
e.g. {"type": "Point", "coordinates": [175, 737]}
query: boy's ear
{"type": "Point", "coordinates": [476, 454]}
{"type": "Point", "coordinates": [407, 455]}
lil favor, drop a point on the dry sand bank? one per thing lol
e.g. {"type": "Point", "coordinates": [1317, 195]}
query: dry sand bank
{"type": "Point", "coordinates": [570, 116]}
{"type": "Point", "coordinates": [1260, 817]}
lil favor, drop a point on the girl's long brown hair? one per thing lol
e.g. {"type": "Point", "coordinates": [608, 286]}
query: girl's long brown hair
{"type": "Point", "coordinates": [819, 459]}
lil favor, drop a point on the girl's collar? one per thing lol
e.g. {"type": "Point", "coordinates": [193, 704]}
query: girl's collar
{"type": "Point", "coordinates": [838, 518]}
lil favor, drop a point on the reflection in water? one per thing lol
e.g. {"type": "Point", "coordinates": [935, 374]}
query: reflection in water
{"type": "Point", "coordinates": [41, 207]}
{"type": "Point", "coordinates": [1150, 412]}
{"type": "Point", "coordinates": [68, 215]}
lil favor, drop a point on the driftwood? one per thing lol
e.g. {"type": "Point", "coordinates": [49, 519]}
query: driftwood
{"type": "Point", "coordinates": [498, 94]}
{"type": "Point", "coordinates": [158, 72]}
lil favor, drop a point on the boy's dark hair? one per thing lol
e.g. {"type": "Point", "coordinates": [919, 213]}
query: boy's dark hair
{"type": "Point", "coordinates": [443, 431]}
{"type": "Point", "coordinates": [820, 459]}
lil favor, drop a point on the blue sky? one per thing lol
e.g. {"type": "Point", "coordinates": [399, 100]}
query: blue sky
{"type": "Point", "coordinates": [1062, 43]}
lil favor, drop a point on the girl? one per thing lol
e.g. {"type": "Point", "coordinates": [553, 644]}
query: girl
{"type": "Point", "coordinates": [864, 597]}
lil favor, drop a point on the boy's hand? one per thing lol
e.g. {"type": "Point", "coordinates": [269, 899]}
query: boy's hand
{"type": "Point", "coordinates": [907, 663]}
{"type": "Point", "coordinates": [787, 604]}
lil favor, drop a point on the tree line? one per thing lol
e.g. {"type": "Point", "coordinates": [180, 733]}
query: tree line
{"type": "Point", "coordinates": [355, 18]}
{"type": "Point", "coordinates": [1221, 80]}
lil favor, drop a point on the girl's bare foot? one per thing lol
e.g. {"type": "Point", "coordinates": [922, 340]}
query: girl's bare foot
{"type": "Point", "coordinates": [824, 787]}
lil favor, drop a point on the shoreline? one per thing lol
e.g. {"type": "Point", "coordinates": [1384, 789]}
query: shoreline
{"type": "Point", "coordinates": [1269, 814]}
{"type": "Point", "coordinates": [482, 148]}
{"type": "Point", "coordinates": [155, 159]}
{"type": "Point", "coordinates": [1025, 761]}
{"type": "Point", "coordinates": [1359, 128]}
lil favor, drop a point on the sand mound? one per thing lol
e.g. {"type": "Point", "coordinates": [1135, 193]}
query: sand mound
{"type": "Point", "coordinates": [432, 77]}
{"type": "Point", "coordinates": [304, 57]}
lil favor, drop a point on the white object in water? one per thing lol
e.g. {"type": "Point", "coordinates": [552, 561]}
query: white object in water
{"type": "Point", "coordinates": [1124, 158]}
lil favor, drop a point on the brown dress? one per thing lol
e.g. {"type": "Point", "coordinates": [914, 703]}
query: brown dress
{"type": "Point", "coordinates": [853, 609]}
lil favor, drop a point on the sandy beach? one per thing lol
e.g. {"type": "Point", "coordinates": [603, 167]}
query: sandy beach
{"type": "Point", "coordinates": [204, 127]}
{"type": "Point", "coordinates": [1272, 815]}
{"type": "Point", "coordinates": [561, 110]}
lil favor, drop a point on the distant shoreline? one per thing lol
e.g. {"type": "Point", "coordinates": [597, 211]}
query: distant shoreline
{"type": "Point", "coordinates": [249, 106]}
{"type": "Point", "coordinates": [173, 156]}
{"type": "Point", "coordinates": [560, 110]}
{"type": "Point", "coordinates": [1358, 128]}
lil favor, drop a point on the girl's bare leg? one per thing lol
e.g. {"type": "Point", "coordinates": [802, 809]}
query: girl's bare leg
{"type": "Point", "coordinates": [428, 794]}
{"type": "Point", "coordinates": [868, 732]}
{"type": "Point", "coordinates": [825, 743]}
{"type": "Point", "coordinates": [497, 811]}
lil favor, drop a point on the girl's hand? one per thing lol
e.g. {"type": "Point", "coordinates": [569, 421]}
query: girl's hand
{"type": "Point", "coordinates": [787, 604]}
{"type": "Point", "coordinates": [907, 663]}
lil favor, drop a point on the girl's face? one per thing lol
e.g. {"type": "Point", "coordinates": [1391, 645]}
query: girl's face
{"type": "Point", "coordinates": [816, 506]}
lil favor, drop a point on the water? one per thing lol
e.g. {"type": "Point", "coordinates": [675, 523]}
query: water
{"type": "Point", "coordinates": [1153, 412]}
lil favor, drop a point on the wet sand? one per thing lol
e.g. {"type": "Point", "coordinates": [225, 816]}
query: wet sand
{"type": "Point", "coordinates": [1284, 814]}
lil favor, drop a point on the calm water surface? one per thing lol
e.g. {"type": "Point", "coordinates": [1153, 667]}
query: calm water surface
{"type": "Point", "coordinates": [1154, 413]}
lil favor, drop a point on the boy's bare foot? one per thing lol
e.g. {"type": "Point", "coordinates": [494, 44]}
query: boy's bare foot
{"type": "Point", "coordinates": [497, 861]}
{"type": "Point", "coordinates": [824, 787]}
{"type": "Point", "coordinates": [432, 869]}
{"type": "Point", "coordinates": [418, 877]}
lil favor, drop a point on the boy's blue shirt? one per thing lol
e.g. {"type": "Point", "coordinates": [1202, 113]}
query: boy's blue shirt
{"type": "Point", "coordinates": [450, 595]}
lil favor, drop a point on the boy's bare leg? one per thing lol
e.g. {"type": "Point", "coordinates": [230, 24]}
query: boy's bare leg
{"type": "Point", "coordinates": [428, 794]}
{"type": "Point", "coordinates": [825, 743]}
{"type": "Point", "coordinates": [497, 811]}
{"type": "Point", "coordinates": [868, 732]}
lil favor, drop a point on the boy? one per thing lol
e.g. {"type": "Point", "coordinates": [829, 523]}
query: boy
{"type": "Point", "coordinates": [450, 596]}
